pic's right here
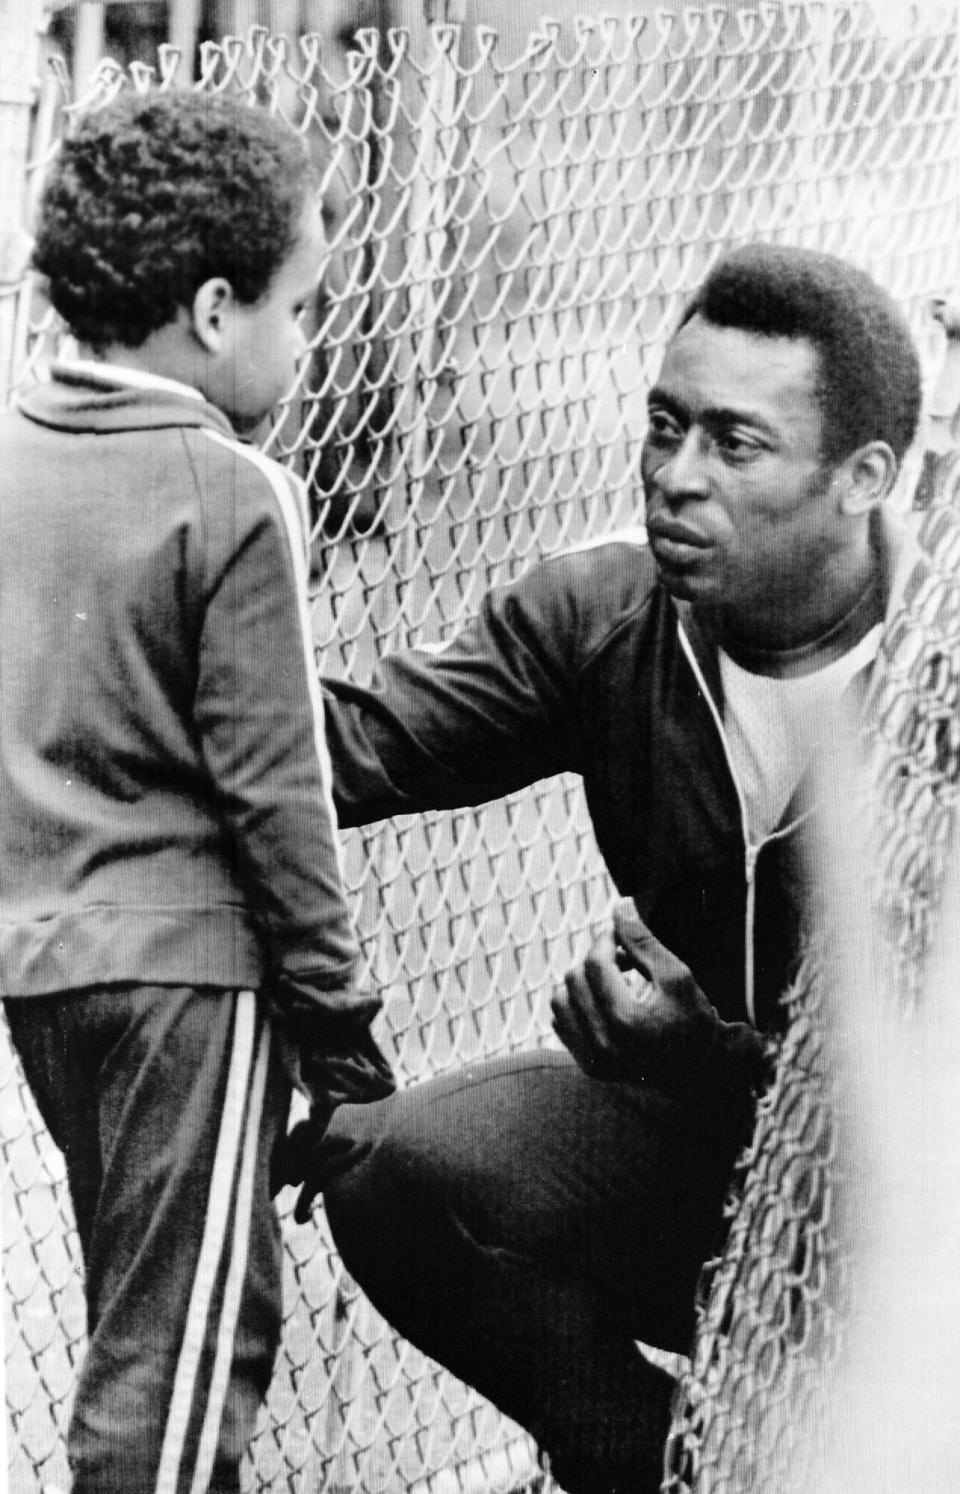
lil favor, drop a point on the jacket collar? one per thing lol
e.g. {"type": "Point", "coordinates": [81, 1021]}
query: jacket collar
{"type": "Point", "coordinates": [96, 371]}
{"type": "Point", "coordinates": [100, 398]}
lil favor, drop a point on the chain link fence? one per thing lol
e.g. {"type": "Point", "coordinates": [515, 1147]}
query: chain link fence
{"type": "Point", "coordinates": [512, 238]}
{"type": "Point", "coordinates": [759, 1395]}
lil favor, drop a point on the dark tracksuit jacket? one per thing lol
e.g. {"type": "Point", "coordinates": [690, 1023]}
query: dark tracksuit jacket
{"type": "Point", "coordinates": [167, 845]}
{"type": "Point", "coordinates": [167, 815]}
{"type": "Point", "coordinates": [586, 664]}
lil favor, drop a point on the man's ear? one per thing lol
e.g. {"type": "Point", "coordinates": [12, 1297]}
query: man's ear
{"type": "Point", "coordinates": [866, 477]}
{"type": "Point", "coordinates": [210, 313]}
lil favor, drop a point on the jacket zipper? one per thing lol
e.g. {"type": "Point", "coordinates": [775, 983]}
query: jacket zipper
{"type": "Point", "coordinates": [751, 851]}
{"type": "Point", "coordinates": [750, 867]}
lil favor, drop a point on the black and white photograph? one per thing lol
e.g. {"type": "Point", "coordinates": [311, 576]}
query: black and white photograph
{"type": "Point", "coordinates": [479, 746]}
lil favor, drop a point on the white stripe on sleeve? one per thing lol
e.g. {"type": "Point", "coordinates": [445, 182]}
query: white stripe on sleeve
{"type": "Point", "coordinates": [292, 503]}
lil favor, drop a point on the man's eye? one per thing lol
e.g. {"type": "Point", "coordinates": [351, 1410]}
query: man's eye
{"type": "Point", "coordinates": [662, 427]}
{"type": "Point", "coordinates": [736, 444]}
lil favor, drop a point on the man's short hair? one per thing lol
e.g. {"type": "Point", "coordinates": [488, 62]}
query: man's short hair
{"type": "Point", "coordinates": [156, 194]}
{"type": "Point", "coordinates": [869, 371]}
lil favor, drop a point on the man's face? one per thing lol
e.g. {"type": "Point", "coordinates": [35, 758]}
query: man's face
{"type": "Point", "coordinates": [739, 510]}
{"type": "Point", "coordinates": [268, 336]}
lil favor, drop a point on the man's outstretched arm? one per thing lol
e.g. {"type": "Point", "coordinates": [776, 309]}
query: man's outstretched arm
{"type": "Point", "coordinates": [487, 713]}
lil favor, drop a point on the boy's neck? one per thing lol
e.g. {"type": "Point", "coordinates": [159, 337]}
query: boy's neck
{"type": "Point", "coordinates": [168, 353]}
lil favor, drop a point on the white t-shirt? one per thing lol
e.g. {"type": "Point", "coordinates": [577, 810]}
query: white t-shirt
{"type": "Point", "coordinates": [774, 725]}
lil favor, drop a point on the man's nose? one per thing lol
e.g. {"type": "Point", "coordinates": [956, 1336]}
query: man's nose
{"type": "Point", "coordinates": [686, 471]}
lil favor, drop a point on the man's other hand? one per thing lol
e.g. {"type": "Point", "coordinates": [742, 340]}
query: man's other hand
{"type": "Point", "coordinates": [632, 1012]}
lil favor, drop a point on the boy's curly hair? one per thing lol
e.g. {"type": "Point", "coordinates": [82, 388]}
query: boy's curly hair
{"type": "Point", "coordinates": [156, 194]}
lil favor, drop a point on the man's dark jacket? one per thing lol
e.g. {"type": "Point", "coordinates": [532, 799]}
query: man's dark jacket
{"type": "Point", "coordinates": [587, 665]}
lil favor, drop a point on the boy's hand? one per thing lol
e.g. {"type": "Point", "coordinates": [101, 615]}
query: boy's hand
{"type": "Point", "coordinates": [306, 1154]}
{"type": "Point", "coordinates": [634, 1013]}
{"type": "Point", "coordinates": [332, 1058]}
{"type": "Point", "coordinates": [327, 1044]}
{"type": "Point", "coordinates": [353, 1074]}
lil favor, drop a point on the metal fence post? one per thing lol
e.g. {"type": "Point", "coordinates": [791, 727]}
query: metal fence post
{"type": "Point", "coordinates": [20, 24]}
{"type": "Point", "coordinates": [88, 44]}
{"type": "Point", "coordinates": [445, 12]}
{"type": "Point", "coordinates": [184, 24]}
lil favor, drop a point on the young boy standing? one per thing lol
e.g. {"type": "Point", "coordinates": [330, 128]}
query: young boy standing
{"type": "Point", "coordinates": [174, 943]}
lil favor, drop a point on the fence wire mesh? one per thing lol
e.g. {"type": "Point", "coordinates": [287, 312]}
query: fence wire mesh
{"type": "Point", "coordinates": [512, 237]}
{"type": "Point", "coordinates": [776, 1301]}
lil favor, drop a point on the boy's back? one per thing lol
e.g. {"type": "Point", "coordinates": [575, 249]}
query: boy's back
{"type": "Point", "coordinates": [175, 948]}
{"type": "Point", "coordinates": [149, 566]}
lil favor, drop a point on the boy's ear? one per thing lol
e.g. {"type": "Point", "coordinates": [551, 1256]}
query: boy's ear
{"type": "Point", "coordinates": [210, 313]}
{"type": "Point", "coordinates": [866, 477]}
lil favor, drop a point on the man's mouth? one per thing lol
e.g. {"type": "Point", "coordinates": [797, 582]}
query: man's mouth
{"type": "Point", "coordinates": [675, 543]}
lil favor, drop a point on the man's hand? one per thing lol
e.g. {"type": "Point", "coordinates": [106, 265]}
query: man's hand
{"type": "Point", "coordinates": [634, 1013]}
{"type": "Point", "coordinates": [331, 1057]}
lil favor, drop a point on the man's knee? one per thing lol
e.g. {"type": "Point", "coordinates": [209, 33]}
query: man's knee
{"type": "Point", "coordinates": [362, 1174]}
{"type": "Point", "coordinates": [419, 1140]}
{"type": "Point", "coordinates": [405, 1180]}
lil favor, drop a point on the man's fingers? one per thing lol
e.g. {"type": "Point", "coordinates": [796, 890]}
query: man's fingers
{"type": "Point", "coordinates": [577, 1022]}
{"type": "Point", "coordinates": [598, 1010]}
{"type": "Point", "coordinates": [566, 1025]}
{"type": "Point", "coordinates": [615, 994]}
{"type": "Point", "coordinates": [603, 950]}
{"type": "Point", "coordinates": [641, 950]}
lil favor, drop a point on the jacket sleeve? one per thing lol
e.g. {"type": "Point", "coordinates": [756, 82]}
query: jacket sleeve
{"type": "Point", "coordinates": [259, 717]}
{"type": "Point", "coordinates": [479, 717]}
